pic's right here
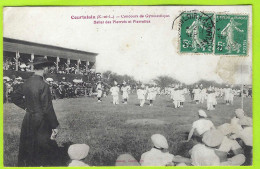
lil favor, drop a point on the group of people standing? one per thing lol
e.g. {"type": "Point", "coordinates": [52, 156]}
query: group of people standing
{"type": "Point", "coordinates": [147, 92]}
{"type": "Point", "coordinates": [115, 92]}
{"type": "Point", "coordinates": [200, 94]}
{"type": "Point", "coordinates": [150, 91]}
{"type": "Point", "coordinates": [177, 92]}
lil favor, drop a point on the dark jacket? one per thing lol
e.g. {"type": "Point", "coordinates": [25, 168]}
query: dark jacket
{"type": "Point", "coordinates": [36, 148]}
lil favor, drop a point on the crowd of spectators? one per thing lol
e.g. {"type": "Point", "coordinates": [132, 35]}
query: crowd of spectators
{"type": "Point", "coordinates": [63, 68]}
{"type": "Point", "coordinates": [59, 89]}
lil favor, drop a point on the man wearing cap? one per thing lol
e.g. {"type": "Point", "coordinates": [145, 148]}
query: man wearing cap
{"type": "Point", "coordinates": [159, 155]}
{"type": "Point", "coordinates": [201, 126]}
{"type": "Point", "coordinates": [39, 127]}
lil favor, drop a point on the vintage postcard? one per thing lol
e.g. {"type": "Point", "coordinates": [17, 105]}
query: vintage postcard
{"type": "Point", "coordinates": [127, 86]}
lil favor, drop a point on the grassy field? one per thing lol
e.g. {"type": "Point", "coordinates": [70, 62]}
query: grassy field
{"type": "Point", "coordinates": [112, 130]}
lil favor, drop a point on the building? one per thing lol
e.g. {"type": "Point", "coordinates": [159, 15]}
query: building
{"type": "Point", "coordinates": [18, 53]}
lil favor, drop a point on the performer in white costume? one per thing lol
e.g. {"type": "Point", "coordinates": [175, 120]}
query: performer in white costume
{"type": "Point", "coordinates": [176, 96]}
{"type": "Point", "coordinates": [115, 93]}
{"type": "Point", "coordinates": [125, 89]}
{"type": "Point", "coordinates": [227, 92]}
{"type": "Point", "coordinates": [203, 93]}
{"type": "Point", "coordinates": [210, 99]}
{"type": "Point", "coordinates": [99, 91]}
{"type": "Point", "coordinates": [141, 92]}
{"type": "Point", "coordinates": [196, 92]}
{"type": "Point", "coordinates": [181, 96]}
{"type": "Point", "coordinates": [151, 94]}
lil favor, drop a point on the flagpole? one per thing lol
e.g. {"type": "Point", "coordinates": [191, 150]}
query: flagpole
{"type": "Point", "coordinates": [57, 65]}
{"type": "Point", "coordinates": [16, 61]}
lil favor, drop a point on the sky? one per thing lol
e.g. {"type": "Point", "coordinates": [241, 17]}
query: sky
{"type": "Point", "coordinates": [141, 50]}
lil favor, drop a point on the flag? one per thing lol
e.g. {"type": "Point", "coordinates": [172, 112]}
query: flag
{"type": "Point", "coordinates": [17, 55]}
{"type": "Point", "coordinates": [88, 63]}
{"type": "Point", "coordinates": [58, 59]}
{"type": "Point", "coordinates": [68, 61]}
{"type": "Point", "coordinates": [45, 57]}
{"type": "Point", "coordinates": [79, 62]}
{"type": "Point", "coordinates": [32, 57]}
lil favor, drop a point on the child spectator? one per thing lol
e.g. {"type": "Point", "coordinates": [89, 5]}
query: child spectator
{"type": "Point", "coordinates": [77, 153]}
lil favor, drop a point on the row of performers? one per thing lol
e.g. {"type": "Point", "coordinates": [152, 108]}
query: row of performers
{"type": "Point", "coordinates": [177, 94]}
{"type": "Point", "coordinates": [143, 92]}
{"type": "Point", "coordinates": [199, 95]}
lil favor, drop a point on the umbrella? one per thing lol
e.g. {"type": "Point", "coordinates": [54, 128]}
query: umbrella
{"type": "Point", "coordinates": [49, 79]}
{"type": "Point", "coordinates": [23, 66]}
{"type": "Point", "coordinates": [6, 78]}
{"type": "Point", "coordinates": [77, 80]}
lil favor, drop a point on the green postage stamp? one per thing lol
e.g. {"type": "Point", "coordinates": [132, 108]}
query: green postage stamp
{"type": "Point", "coordinates": [231, 35]}
{"type": "Point", "coordinates": [197, 32]}
{"type": "Point", "coordinates": [214, 33]}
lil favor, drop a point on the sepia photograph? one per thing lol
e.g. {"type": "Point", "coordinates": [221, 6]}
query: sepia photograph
{"type": "Point", "coordinates": [127, 86]}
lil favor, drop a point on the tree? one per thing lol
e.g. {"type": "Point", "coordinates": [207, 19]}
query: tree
{"type": "Point", "coordinates": [109, 78]}
{"type": "Point", "coordinates": [164, 81]}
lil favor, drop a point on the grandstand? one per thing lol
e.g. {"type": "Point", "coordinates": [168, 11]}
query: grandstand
{"type": "Point", "coordinates": [69, 63]}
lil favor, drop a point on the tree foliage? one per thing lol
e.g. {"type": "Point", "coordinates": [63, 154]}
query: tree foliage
{"type": "Point", "coordinates": [109, 78]}
{"type": "Point", "coordinates": [165, 81]}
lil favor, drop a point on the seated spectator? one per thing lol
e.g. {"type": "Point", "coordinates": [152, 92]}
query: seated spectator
{"type": "Point", "coordinates": [200, 126]}
{"type": "Point", "coordinates": [246, 135]}
{"type": "Point", "coordinates": [215, 150]}
{"type": "Point", "coordinates": [159, 155]}
{"type": "Point", "coordinates": [243, 119]}
{"type": "Point", "coordinates": [77, 153]}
